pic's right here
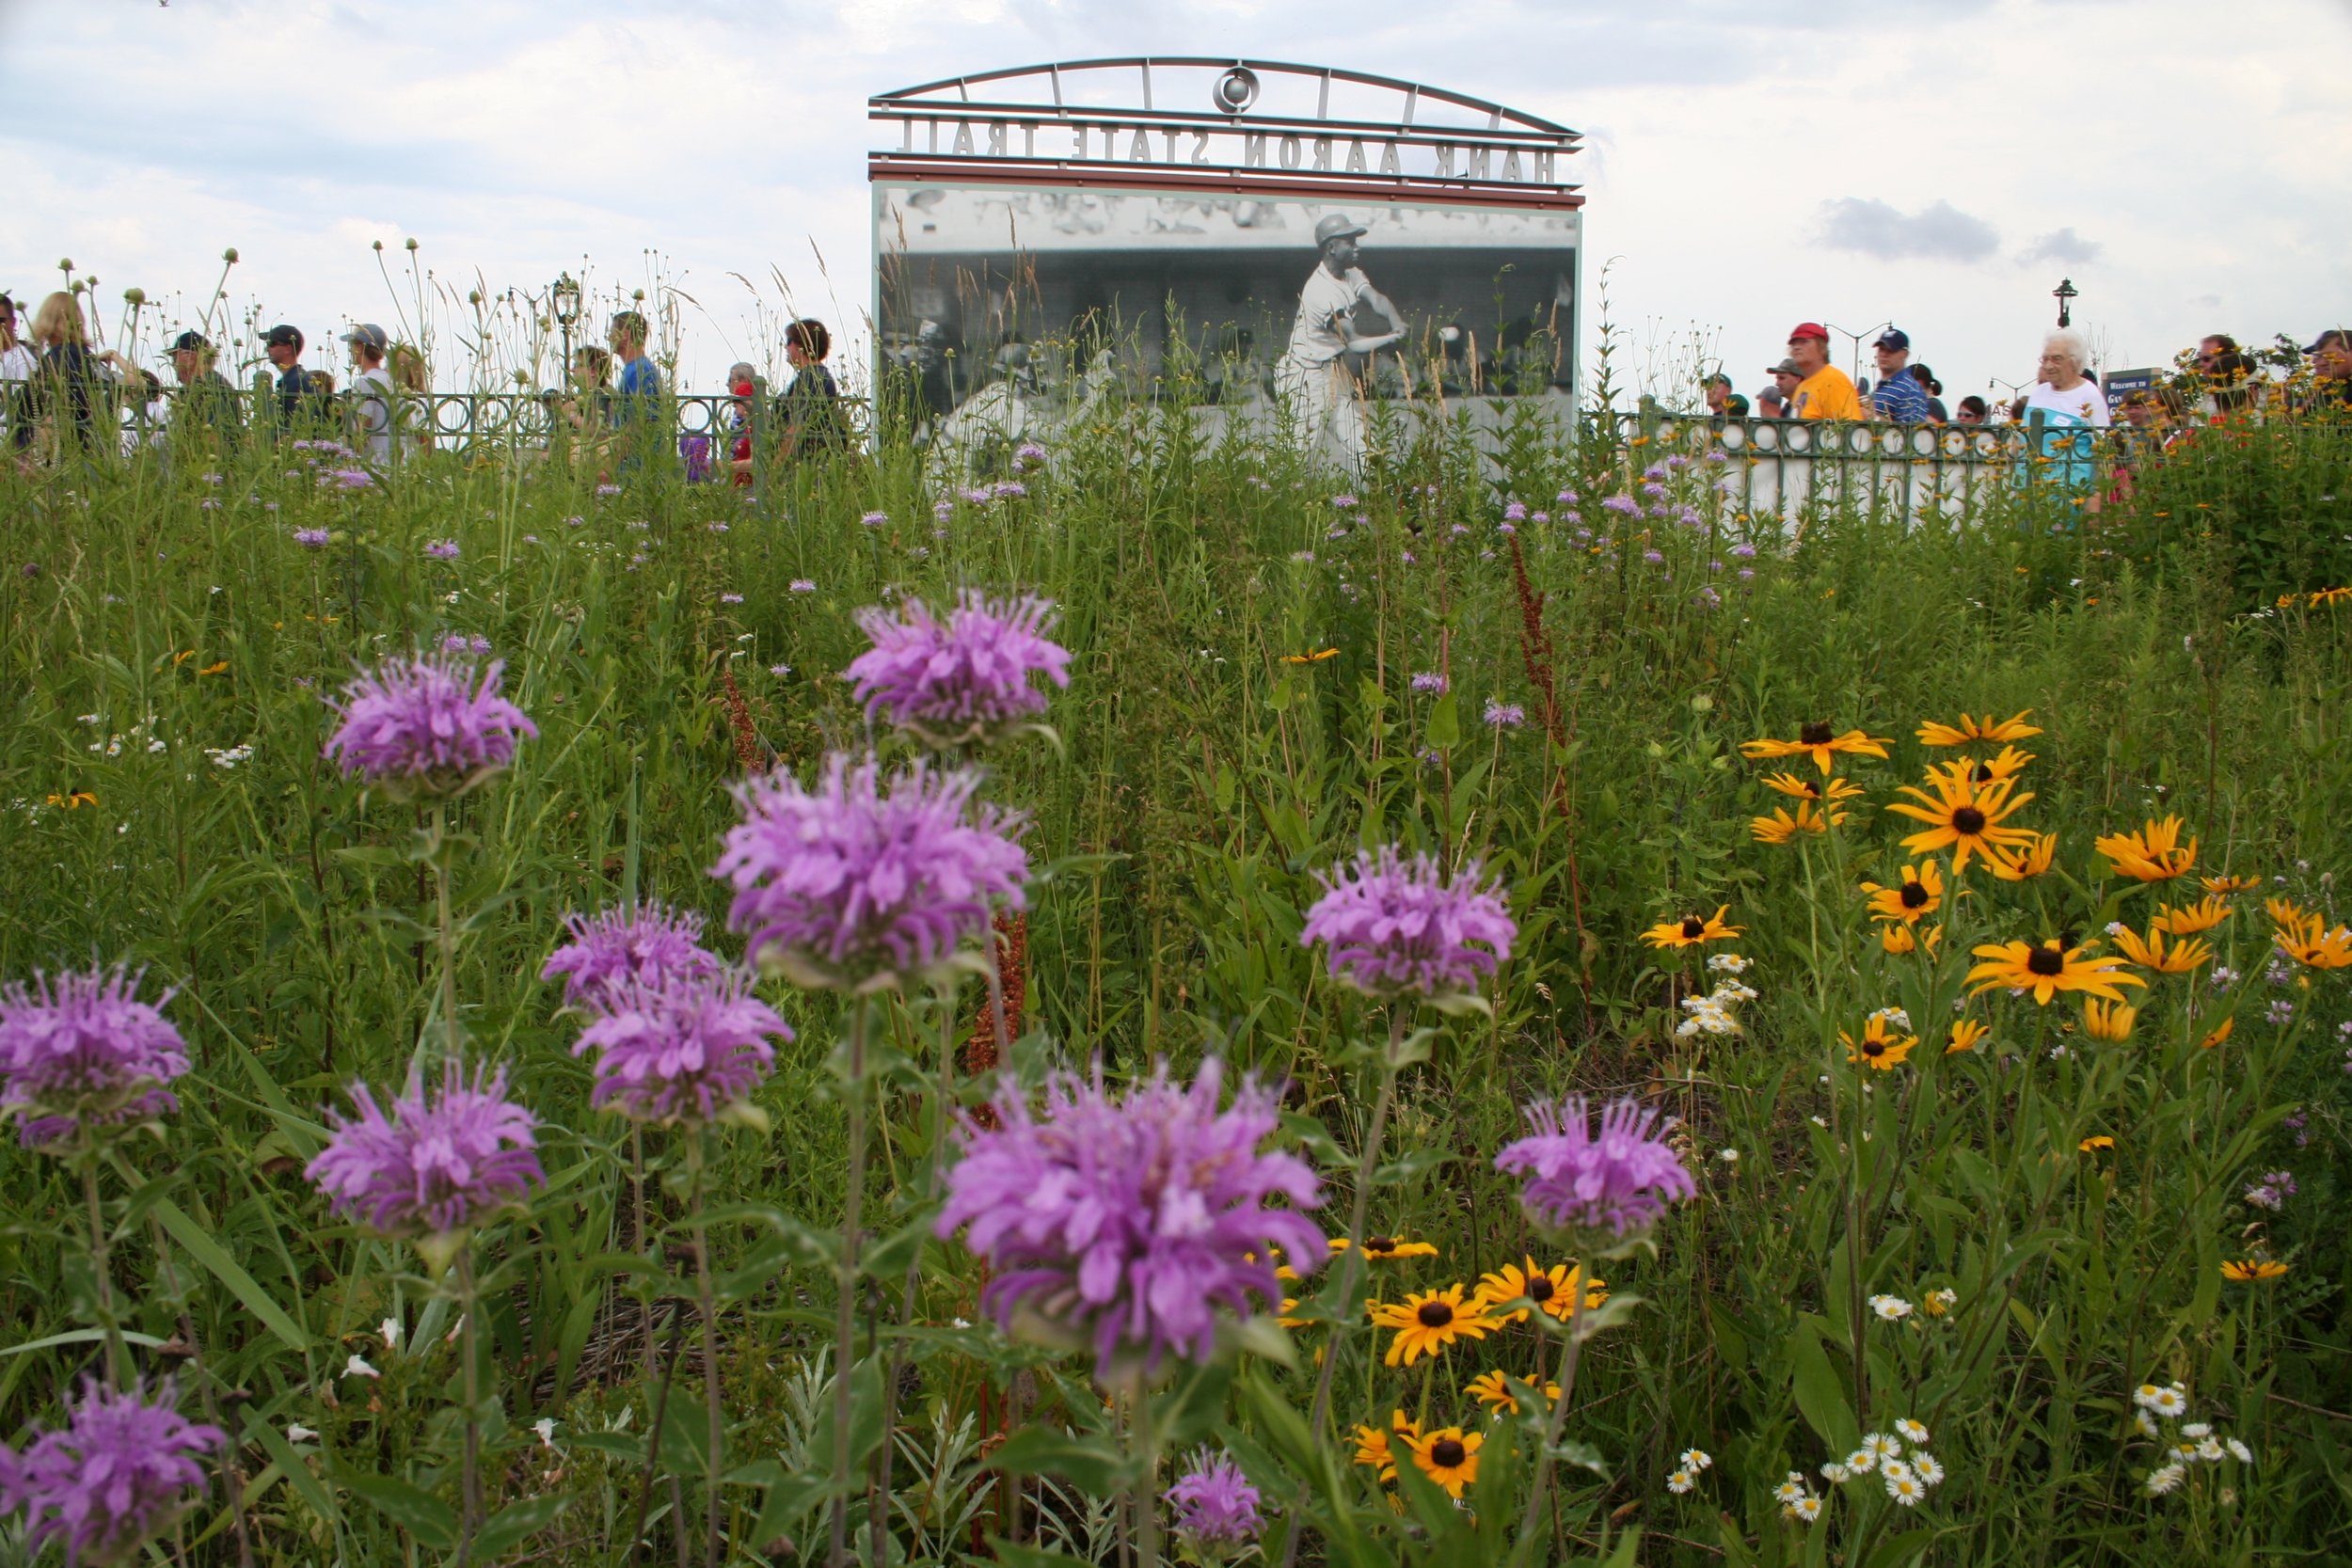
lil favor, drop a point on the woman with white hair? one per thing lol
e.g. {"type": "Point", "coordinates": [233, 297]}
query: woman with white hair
{"type": "Point", "coordinates": [2064, 409]}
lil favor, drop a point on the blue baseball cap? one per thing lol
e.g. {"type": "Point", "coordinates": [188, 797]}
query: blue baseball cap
{"type": "Point", "coordinates": [1895, 341]}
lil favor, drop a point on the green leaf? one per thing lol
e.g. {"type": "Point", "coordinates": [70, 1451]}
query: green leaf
{"type": "Point", "coordinates": [1014, 1556]}
{"type": "Point", "coordinates": [82, 1336]}
{"type": "Point", "coordinates": [215, 1258]}
{"type": "Point", "coordinates": [433, 1522]}
{"type": "Point", "coordinates": [1445, 723]}
{"type": "Point", "coordinates": [1090, 1464]}
{"type": "Point", "coordinates": [1898, 1549]}
{"type": "Point", "coordinates": [1821, 1395]}
{"type": "Point", "coordinates": [515, 1524]}
{"type": "Point", "coordinates": [789, 1501]}
{"type": "Point", "coordinates": [1419, 1162]}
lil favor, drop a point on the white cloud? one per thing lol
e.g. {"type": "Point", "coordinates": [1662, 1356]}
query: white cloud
{"type": "Point", "coordinates": [1939, 231]}
{"type": "Point", "coordinates": [2062, 246]}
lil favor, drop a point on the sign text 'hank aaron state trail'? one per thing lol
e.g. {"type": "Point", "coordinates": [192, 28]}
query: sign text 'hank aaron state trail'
{"type": "Point", "coordinates": [1298, 238]}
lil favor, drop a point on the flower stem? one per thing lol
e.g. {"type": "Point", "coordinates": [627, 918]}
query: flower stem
{"type": "Point", "coordinates": [845, 1312]}
{"type": "Point", "coordinates": [712, 1403]}
{"type": "Point", "coordinates": [469, 1519]}
{"type": "Point", "coordinates": [118, 1361]}
{"type": "Point", "coordinates": [1559, 1420]}
{"type": "Point", "coordinates": [1144, 1490]}
{"type": "Point", "coordinates": [1367, 1162]}
{"type": "Point", "coordinates": [448, 929]}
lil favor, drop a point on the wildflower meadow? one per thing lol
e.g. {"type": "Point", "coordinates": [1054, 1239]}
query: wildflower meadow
{"type": "Point", "coordinates": [1158, 1004]}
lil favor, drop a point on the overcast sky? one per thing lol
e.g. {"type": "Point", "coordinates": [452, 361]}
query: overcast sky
{"type": "Point", "coordinates": [1938, 162]}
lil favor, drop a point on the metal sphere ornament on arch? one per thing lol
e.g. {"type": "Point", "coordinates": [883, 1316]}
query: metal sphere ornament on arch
{"type": "Point", "coordinates": [1237, 89]}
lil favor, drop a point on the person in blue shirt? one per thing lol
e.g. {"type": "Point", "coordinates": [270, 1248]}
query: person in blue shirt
{"type": "Point", "coordinates": [636, 406]}
{"type": "Point", "coordinates": [1899, 396]}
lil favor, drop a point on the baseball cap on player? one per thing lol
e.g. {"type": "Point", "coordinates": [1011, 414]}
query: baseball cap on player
{"type": "Point", "coordinates": [1338, 226]}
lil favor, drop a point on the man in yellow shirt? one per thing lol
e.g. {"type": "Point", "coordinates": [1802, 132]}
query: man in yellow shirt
{"type": "Point", "coordinates": [1824, 393]}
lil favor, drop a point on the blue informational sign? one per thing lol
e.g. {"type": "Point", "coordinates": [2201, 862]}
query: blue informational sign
{"type": "Point", "coordinates": [2119, 384]}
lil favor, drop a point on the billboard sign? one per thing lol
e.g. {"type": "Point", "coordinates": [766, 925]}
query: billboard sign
{"type": "Point", "coordinates": [1265, 240]}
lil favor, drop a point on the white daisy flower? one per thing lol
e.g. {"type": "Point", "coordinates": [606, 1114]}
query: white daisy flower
{"type": "Point", "coordinates": [1913, 1434]}
{"type": "Point", "coordinates": [2166, 1479]}
{"type": "Point", "coordinates": [2239, 1452]}
{"type": "Point", "coordinates": [1906, 1491]}
{"type": "Point", "coordinates": [2147, 1423]}
{"type": "Point", "coordinates": [1895, 1469]}
{"type": "Point", "coordinates": [2170, 1404]}
{"type": "Point", "coordinates": [1679, 1482]}
{"type": "Point", "coordinates": [1721, 963]}
{"type": "Point", "coordinates": [1791, 1490]}
{"type": "Point", "coordinates": [2196, 1428]}
{"type": "Point", "coordinates": [1837, 1471]}
{"type": "Point", "coordinates": [1927, 1469]}
{"type": "Point", "coordinates": [1881, 1445]}
{"type": "Point", "coordinates": [1862, 1462]}
{"type": "Point", "coordinates": [1804, 1509]}
{"type": "Point", "coordinates": [1890, 1308]}
{"type": "Point", "coordinates": [1696, 1459]}
{"type": "Point", "coordinates": [2209, 1449]}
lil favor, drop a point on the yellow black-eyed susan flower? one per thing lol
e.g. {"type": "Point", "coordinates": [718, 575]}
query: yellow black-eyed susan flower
{"type": "Point", "coordinates": [1386, 1248]}
{"type": "Point", "coordinates": [2006, 764]}
{"type": "Point", "coordinates": [1555, 1290]}
{"type": "Point", "coordinates": [1913, 895]}
{"type": "Point", "coordinates": [2188, 920]}
{"type": "Point", "coordinates": [2244, 1269]}
{"type": "Point", "coordinates": [2163, 953]}
{"type": "Point", "coordinates": [2226, 885]}
{"type": "Point", "coordinates": [1963, 815]}
{"type": "Point", "coordinates": [1879, 1047]}
{"type": "Point", "coordinates": [1783, 827]}
{"type": "Point", "coordinates": [1427, 1321]}
{"type": "Point", "coordinates": [2024, 862]}
{"type": "Point", "coordinates": [1968, 1033]}
{"type": "Point", "coordinates": [1374, 1449]}
{"type": "Point", "coordinates": [1691, 930]}
{"type": "Point", "coordinates": [1971, 730]}
{"type": "Point", "coordinates": [2096, 1143]}
{"type": "Point", "coordinates": [1819, 742]}
{"type": "Point", "coordinates": [2220, 1032]}
{"type": "Point", "coordinates": [2046, 969]}
{"type": "Point", "coordinates": [1493, 1390]}
{"type": "Point", "coordinates": [2111, 1022]}
{"type": "Point", "coordinates": [1316, 657]}
{"type": "Point", "coordinates": [73, 800]}
{"type": "Point", "coordinates": [1448, 1456]}
{"type": "Point", "coordinates": [1831, 790]}
{"type": "Point", "coordinates": [2153, 854]}
{"type": "Point", "coordinates": [2305, 937]}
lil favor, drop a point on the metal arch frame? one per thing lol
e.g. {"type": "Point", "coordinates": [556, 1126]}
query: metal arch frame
{"type": "Point", "coordinates": [1522, 124]}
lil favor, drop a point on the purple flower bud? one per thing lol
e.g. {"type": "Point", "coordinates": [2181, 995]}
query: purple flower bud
{"type": "Point", "coordinates": [1430, 682]}
{"type": "Point", "coordinates": [115, 1475]}
{"type": "Point", "coordinates": [1214, 1504]}
{"type": "Point", "coordinates": [961, 679]}
{"type": "Point", "coordinates": [431, 1166]}
{"type": "Point", "coordinates": [683, 1050]}
{"type": "Point", "coordinates": [80, 1051]}
{"type": "Point", "coordinates": [311, 538]}
{"type": "Point", "coordinates": [648, 945]}
{"type": "Point", "coordinates": [1125, 1224]}
{"type": "Point", "coordinates": [1505, 716]}
{"type": "Point", "coordinates": [1602, 1188]}
{"type": "Point", "coordinates": [433, 724]}
{"type": "Point", "coordinates": [442, 550]}
{"type": "Point", "coordinates": [875, 519]}
{"type": "Point", "coordinates": [1395, 925]}
{"type": "Point", "coordinates": [847, 884]}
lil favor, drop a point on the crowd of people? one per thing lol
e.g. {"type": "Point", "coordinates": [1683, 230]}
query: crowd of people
{"type": "Point", "coordinates": [60, 396]}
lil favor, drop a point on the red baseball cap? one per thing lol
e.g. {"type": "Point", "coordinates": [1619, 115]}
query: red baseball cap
{"type": "Point", "coordinates": [1809, 329]}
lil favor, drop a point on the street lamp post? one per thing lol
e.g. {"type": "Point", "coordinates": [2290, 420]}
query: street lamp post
{"type": "Point", "coordinates": [2064, 293]}
{"type": "Point", "coordinates": [565, 297]}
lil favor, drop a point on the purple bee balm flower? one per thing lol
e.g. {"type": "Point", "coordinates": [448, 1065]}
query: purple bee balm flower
{"type": "Point", "coordinates": [442, 550]}
{"type": "Point", "coordinates": [79, 1052]}
{"type": "Point", "coordinates": [730, 599]}
{"type": "Point", "coordinates": [684, 1049]}
{"type": "Point", "coordinates": [114, 1476]}
{"type": "Point", "coordinates": [1030, 452]}
{"type": "Point", "coordinates": [1214, 1503]}
{"type": "Point", "coordinates": [1123, 1225]}
{"type": "Point", "coordinates": [851, 885]}
{"type": "Point", "coordinates": [1505, 716]}
{"type": "Point", "coordinates": [431, 1167]}
{"type": "Point", "coordinates": [650, 944]}
{"type": "Point", "coordinates": [962, 678]}
{"type": "Point", "coordinates": [1396, 925]}
{"type": "Point", "coordinates": [433, 724]}
{"type": "Point", "coordinates": [608, 489]}
{"type": "Point", "coordinates": [875, 519]}
{"type": "Point", "coordinates": [1626, 504]}
{"type": "Point", "coordinates": [350, 479]}
{"type": "Point", "coordinates": [311, 538]}
{"type": "Point", "coordinates": [1429, 681]}
{"type": "Point", "coordinates": [802, 585]}
{"type": "Point", "coordinates": [1515, 512]}
{"type": "Point", "coordinates": [1602, 1188]}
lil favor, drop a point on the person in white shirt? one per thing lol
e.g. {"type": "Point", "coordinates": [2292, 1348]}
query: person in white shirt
{"type": "Point", "coordinates": [1312, 374]}
{"type": "Point", "coordinates": [18, 365]}
{"type": "Point", "coordinates": [372, 395]}
{"type": "Point", "coordinates": [2068, 407]}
